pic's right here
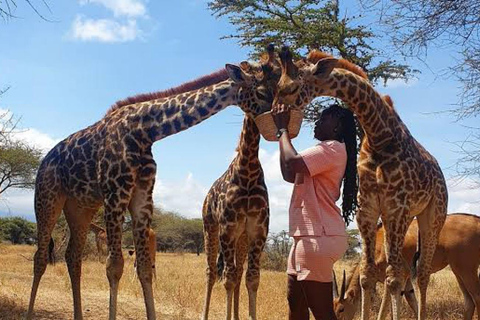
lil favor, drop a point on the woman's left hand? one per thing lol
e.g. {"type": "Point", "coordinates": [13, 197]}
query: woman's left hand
{"type": "Point", "coordinates": [282, 119]}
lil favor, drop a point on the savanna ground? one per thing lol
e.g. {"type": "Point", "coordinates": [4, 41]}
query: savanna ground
{"type": "Point", "coordinates": [179, 290]}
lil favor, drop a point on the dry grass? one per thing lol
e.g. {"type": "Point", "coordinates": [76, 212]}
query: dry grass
{"type": "Point", "coordinates": [179, 290]}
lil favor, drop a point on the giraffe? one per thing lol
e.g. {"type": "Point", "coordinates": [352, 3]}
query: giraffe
{"type": "Point", "coordinates": [398, 178]}
{"type": "Point", "coordinates": [110, 163]}
{"type": "Point", "coordinates": [100, 239]}
{"type": "Point", "coordinates": [236, 214]}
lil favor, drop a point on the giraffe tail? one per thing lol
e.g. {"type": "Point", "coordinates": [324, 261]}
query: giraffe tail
{"type": "Point", "coordinates": [416, 256]}
{"type": "Point", "coordinates": [51, 251]}
{"type": "Point", "coordinates": [220, 266]}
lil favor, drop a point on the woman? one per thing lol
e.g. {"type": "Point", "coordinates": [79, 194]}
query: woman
{"type": "Point", "coordinates": [316, 223]}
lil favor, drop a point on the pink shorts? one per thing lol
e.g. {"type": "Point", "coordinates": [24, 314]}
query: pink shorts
{"type": "Point", "coordinates": [312, 258]}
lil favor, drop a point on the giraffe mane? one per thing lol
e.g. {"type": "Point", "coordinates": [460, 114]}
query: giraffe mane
{"type": "Point", "coordinates": [388, 100]}
{"type": "Point", "coordinates": [314, 56]}
{"type": "Point", "coordinates": [204, 81]}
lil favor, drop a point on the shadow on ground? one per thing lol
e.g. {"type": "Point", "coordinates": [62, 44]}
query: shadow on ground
{"type": "Point", "coordinates": [11, 310]}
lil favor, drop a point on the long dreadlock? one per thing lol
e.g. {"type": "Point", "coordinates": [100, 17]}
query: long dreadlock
{"type": "Point", "coordinates": [350, 180]}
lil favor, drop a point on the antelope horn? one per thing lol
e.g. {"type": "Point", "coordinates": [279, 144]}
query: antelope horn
{"type": "Point", "coordinates": [342, 292]}
{"type": "Point", "coordinates": [335, 286]}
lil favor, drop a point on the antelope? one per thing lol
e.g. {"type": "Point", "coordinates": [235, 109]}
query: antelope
{"type": "Point", "coordinates": [458, 246]}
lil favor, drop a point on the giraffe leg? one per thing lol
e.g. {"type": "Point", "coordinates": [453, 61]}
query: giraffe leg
{"type": "Point", "coordinates": [141, 209]}
{"type": "Point", "coordinates": [407, 285]}
{"type": "Point", "coordinates": [240, 255]}
{"type": "Point", "coordinates": [396, 225]}
{"type": "Point", "coordinates": [367, 218]}
{"type": "Point", "coordinates": [48, 206]}
{"type": "Point", "coordinates": [257, 241]}
{"type": "Point", "coordinates": [78, 220]}
{"type": "Point", "coordinates": [228, 246]}
{"type": "Point", "coordinates": [113, 221]}
{"type": "Point", "coordinates": [430, 223]}
{"type": "Point", "coordinates": [210, 228]}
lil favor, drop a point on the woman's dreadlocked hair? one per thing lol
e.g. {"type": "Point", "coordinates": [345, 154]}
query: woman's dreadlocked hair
{"type": "Point", "coordinates": [350, 180]}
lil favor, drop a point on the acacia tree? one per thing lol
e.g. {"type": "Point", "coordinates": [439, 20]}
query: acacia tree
{"type": "Point", "coordinates": [416, 25]}
{"type": "Point", "coordinates": [18, 160]}
{"type": "Point", "coordinates": [306, 25]}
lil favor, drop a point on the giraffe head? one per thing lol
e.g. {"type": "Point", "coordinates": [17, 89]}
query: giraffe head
{"type": "Point", "coordinates": [256, 83]}
{"type": "Point", "coordinates": [295, 89]}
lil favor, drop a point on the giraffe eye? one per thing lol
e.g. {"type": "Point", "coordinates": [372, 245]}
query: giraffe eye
{"type": "Point", "coordinates": [262, 95]}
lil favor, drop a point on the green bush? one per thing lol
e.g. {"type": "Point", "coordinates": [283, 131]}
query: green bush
{"type": "Point", "coordinates": [17, 230]}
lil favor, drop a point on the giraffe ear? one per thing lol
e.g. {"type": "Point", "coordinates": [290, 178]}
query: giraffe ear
{"type": "Point", "coordinates": [236, 73]}
{"type": "Point", "coordinates": [324, 67]}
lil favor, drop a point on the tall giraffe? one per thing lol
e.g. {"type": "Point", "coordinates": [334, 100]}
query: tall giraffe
{"type": "Point", "coordinates": [100, 239]}
{"type": "Point", "coordinates": [236, 214]}
{"type": "Point", "coordinates": [398, 178]}
{"type": "Point", "coordinates": [110, 163]}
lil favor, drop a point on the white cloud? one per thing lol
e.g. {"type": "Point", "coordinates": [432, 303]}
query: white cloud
{"type": "Point", "coordinates": [400, 83]}
{"type": "Point", "coordinates": [37, 139]}
{"type": "Point", "coordinates": [18, 202]}
{"type": "Point", "coordinates": [279, 191]}
{"type": "Point", "coordinates": [31, 136]}
{"type": "Point", "coordinates": [122, 27]}
{"type": "Point", "coordinates": [130, 8]}
{"type": "Point", "coordinates": [104, 30]}
{"type": "Point", "coordinates": [185, 197]}
{"type": "Point", "coordinates": [464, 196]}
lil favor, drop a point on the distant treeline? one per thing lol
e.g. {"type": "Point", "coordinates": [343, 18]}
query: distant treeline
{"type": "Point", "coordinates": [17, 230]}
{"type": "Point", "coordinates": [174, 233]}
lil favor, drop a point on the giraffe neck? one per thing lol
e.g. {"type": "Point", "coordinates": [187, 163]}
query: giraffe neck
{"type": "Point", "coordinates": [249, 143]}
{"type": "Point", "coordinates": [167, 116]}
{"type": "Point", "coordinates": [96, 229]}
{"type": "Point", "coordinates": [376, 117]}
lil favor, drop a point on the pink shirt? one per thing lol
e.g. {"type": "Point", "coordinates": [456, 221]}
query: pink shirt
{"type": "Point", "coordinates": [313, 211]}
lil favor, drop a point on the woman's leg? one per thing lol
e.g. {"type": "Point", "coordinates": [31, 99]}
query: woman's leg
{"type": "Point", "coordinates": [319, 296]}
{"type": "Point", "coordinates": [320, 255]}
{"type": "Point", "coordinates": [298, 308]}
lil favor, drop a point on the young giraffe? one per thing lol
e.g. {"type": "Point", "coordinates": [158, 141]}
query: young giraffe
{"type": "Point", "coordinates": [398, 178]}
{"type": "Point", "coordinates": [100, 239]}
{"type": "Point", "coordinates": [236, 213]}
{"type": "Point", "coordinates": [110, 163]}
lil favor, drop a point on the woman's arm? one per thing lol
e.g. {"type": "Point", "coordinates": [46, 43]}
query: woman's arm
{"type": "Point", "coordinates": [291, 162]}
{"type": "Point", "coordinates": [290, 158]}
{"type": "Point", "coordinates": [287, 174]}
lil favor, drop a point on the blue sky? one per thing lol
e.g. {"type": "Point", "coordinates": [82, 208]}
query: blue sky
{"type": "Point", "coordinates": [65, 74]}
